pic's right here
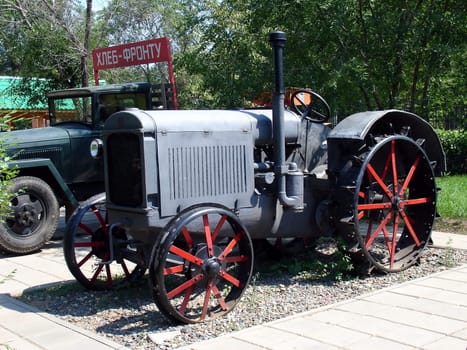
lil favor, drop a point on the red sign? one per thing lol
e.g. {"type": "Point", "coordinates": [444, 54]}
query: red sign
{"type": "Point", "coordinates": [134, 54]}
{"type": "Point", "coordinates": [143, 52]}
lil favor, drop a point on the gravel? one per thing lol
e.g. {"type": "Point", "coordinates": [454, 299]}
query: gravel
{"type": "Point", "coordinates": [129, 316]}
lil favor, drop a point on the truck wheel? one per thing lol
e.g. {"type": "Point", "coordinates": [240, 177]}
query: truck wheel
{"type": "Point", "coordinates": [202, 264]}
{"type": "Point", "coordinates": [93, 258]}
{"type": "Point", "coordinates": [33, 219]}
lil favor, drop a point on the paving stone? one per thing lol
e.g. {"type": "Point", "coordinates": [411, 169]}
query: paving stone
{"type": "Point", "coordinates": [364, 307]}
{"type": "Point", "coordinates": [462, 334]}
{"type": "Point", "coordinates": [299, 326]}
{"type": "Point", "coordinates": [445, 284]}
{"type": "Point", "coordinates": [276, 339]}
{"type": "Point", "coordinates": [339, 336]}
{"type": "Point", "coordinates": [393, 331]}
{"type": "Point", "coordinates": [422, 320]}
{"type": "Point", "coordinates": [224, 343]}
{"type": "Point", "coordinates": [373, 343]}
{"type": "Point", "coordinates": [332, 316]}
{"type": "Point", "coordinates": [446, 343]}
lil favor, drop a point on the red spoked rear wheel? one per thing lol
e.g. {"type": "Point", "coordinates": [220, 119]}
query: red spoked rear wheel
{"type": "Point", "coordinates": [395, 204]}
{"type": "Point", "coordinates": [202, 265]}
{"type": "Point", "coordinates": [87, 249]}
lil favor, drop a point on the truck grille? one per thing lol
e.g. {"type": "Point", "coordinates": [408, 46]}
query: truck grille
{"type": "Point", "coordinates": [53, 153]}
{"type": "Point", "coordinates": [124, 165]}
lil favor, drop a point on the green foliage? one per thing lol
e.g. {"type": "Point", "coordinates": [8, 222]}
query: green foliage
{"type": "Point", "coordinates": [451, 204]}
{"type": "Point", "coordinates": [359, 55]}
{"type": "Point", "coordinates": [8, 277]}
{"type": "Point", "coordinates": [22, 123]}
{"type": "Point", "coordinates": [337, 265]}
{"type": "Point", "coordinates": [43, 39]}
{"type": "Point", "coordinates": [125, 21]}
{"type": "Point", "coordinates": [451, 199]}
{"type": "Point", "coordinates": [448, 102]}
{"type": "Point", "coordinates": [329, 261]}
{"type": "Point", "coordinates": [455, 146]}
{"type": "Point", "coordinates": [6, 172]}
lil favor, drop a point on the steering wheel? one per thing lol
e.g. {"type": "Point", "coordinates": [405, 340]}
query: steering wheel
{"type": "Point", "coordinates": [310, 106]}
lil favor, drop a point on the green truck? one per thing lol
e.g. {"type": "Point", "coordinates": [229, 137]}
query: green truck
{"type": "Point", "coordinates": [55, 168]}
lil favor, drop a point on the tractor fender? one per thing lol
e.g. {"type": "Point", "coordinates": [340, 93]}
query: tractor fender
{"type": "Point", "coordinates": [45, 169]}
{"type": "Point", "coordinates": [356, 131]}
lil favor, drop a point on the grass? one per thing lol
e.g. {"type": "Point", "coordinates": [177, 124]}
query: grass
{"type": "Point", "coordinates": [452, 204]}
{"type": "Point", "coordinates": [9, 276]}
{"type": "Point", "coordinates": [327, 261]}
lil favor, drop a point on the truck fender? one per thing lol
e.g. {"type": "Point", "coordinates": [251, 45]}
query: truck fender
{"type": "Point", "coordinates": [355, 131]}
{"type": "Point", "coordinates": [58, 184]}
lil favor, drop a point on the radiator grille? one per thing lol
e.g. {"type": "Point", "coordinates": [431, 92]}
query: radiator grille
{"type": "Point", "coordinates": [205, 168]}
{"type": "Point", "coordinates": [206, 171]}
{"type": "Point", "coordinates": [52, 153]}
{"type": "Point", "coordinates": [125, 168]}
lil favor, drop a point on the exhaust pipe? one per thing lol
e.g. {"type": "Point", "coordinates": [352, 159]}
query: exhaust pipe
{"type": "Point", "coordinates": [288, 177]}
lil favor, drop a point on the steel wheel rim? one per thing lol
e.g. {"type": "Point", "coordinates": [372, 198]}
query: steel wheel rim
{"type": "Point", "coordinates": [89, 255]}
{"type": "Point", "coordinates": [197, 279]}
{"type": "Point", "coordinates": [395, 204]}
{"type": "Point", "coordinates": [28, 212]}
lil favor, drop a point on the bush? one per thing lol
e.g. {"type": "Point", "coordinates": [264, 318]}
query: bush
{"type": "Point", "coordinates": [6, 174]}
{"type": "Point", "coordinates": [455, 146]}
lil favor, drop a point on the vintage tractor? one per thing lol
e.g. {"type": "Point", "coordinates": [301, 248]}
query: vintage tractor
{"type": "Point", "coordinates": [187, 191]}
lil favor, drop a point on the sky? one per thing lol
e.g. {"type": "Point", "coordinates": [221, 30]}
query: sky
{"type": "Point", "coordinates": [96, 4]}
{"type": "Point", "coordinates": [99, 4]}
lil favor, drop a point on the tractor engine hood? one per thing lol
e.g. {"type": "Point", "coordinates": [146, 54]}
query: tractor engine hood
{"type": "Point", "coordinates": [258, 123]}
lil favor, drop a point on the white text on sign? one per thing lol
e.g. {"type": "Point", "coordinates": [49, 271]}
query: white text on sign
{"type": "Point", "coordinates": [133, 54]}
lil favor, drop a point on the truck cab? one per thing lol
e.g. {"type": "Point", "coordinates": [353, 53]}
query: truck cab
{"type": "Point", "coordinates": [54, 166]}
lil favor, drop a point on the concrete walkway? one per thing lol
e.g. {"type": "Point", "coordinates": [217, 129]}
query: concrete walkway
{"type": "Point", "coordinates": [428, 313]}
{"type": "Point", "coordinates": [25, 327]}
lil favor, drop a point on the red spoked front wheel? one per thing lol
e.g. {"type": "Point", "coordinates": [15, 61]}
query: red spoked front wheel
{"type": "Point", "coordinates": [202, 265]}
{"type": "Point", "coordinates": [97, 260]}
{"type": "Point", "coordinates": [395, 204]}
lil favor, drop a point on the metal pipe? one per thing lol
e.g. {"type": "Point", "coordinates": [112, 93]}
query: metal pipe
{"type": "Point", "coordinates": [277, 40]}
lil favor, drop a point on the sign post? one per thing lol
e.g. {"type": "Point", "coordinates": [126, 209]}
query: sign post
{"type": "Point", "coordinates": [133, 54]}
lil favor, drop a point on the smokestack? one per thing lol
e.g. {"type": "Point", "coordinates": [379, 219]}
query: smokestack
{"type": "Point", "coordinates": [281, 169]}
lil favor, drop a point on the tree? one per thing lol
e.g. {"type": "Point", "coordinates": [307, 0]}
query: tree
{"type": "Point", "coordinates": [228, 54]}
{"type": "Point", "coordinates": [130, 21]}
{"type": "Point", "coordinates": [360, 55]}
{"type": "Point", "coordinates": [47, 39]}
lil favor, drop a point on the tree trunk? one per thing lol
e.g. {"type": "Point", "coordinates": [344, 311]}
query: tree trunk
{"type": "Point", "coordinates": [413, 89]}
{"type": "Point", "coordinates": [87, 39]}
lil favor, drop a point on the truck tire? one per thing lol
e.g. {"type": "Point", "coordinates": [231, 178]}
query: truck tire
{"type": "Point", "coordinates": [34, 216]}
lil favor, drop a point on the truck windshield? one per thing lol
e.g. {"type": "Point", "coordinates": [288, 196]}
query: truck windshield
{"type": "Point", "coordinates": [111, 103]}
{"type": "Point", "coordinates": [80, 109]}
{"type": "Point", "coordinates": [76, 109]}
